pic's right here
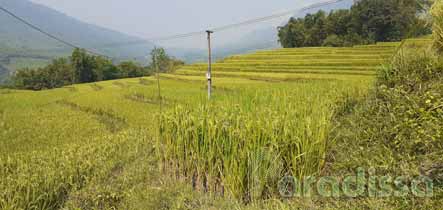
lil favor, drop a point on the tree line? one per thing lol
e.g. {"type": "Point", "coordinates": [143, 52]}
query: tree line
{"type": "Point", "coordinates": [81, 67]}
{"type": "Point", "coordinates": [367, 21]}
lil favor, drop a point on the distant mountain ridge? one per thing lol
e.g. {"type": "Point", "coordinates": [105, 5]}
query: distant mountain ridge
{"type": "Point", "coordinates": [61, 25]}
{"type": "Point", "coordinates": [18, 41]}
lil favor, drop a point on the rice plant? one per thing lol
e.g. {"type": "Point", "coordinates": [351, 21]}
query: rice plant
{"type": "Point", "coordinates": [244, 148]}
{"type": "Point", "coordinates": [270, 116]}
{"type": "Point", "coordinates": [437, 15]}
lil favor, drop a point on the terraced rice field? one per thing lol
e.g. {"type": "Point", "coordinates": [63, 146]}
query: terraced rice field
{"type": "Point", "coordinates": [357, 60]}
{"type": "Point", "coordinates": [349, 61]}
{"type": "Point", "coordinates": [270, 116]}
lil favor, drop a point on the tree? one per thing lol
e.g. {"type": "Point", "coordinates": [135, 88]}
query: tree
{"type": "Point", "coordinates": [293, 34]}
{"type": "Point", "coordinates": [59, 73]}
{"type": "Point", "coordinates": [338, 22]}
{"type": "Point", "coordinates": [100, 65]}
{"type": "Point", "coordinates": [131, 69]}
{"type": "Point", "coordinates": [367, 21]}
{"type": "Point", "coordinates": [84, 66]}
{"type": "Point", "coordinates": [162, 62]}
{"type": "Point", "coordinates": [333, 41]}
{"type": "Point", "coordinates": [384, 20]}
{"type": "Point", "coordinates": [317, 31]}
{"type": "Point", "coordinates": [111, 72]}
{"type": "Point", "coordinates": [81, 68]}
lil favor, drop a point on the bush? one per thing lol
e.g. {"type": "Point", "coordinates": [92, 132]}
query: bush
{"type": "Point", "coordinates": [131, 69]}
{"type": "Point", "coordinates": [333, 41]}
{"type": "Point", "coordinates": [355, 39]}
{"type": "Point", "coordinates": [399, 128]}
{"type": "Point", "coordinates": [410, 69]}
{"type": "Point", "coordinates": [411, 89]}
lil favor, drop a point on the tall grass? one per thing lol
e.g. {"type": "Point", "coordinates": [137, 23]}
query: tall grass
{"type": "Point", "coordinates": [242, 145]}
{"type": "Point", "coordinates": [437, 15]}
{"type": "Point", "coordinates": [243, 149]}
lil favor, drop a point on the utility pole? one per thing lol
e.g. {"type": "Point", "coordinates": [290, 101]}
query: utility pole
{"type": "Point", "coordinates": [208, 74]}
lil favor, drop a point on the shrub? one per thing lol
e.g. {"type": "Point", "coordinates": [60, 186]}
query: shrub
{"type": "Point", "coordinates": [333, 41]}
{"type": "Point", "coordinates": [410, 69]}
{"type": "Point", "coordinates": [399, 128]}
{"type": "Point", "coordinates": [410, 98]}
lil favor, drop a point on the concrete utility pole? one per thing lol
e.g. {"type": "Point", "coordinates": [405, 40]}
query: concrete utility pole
{"type": "Point", "coordinates": [208, 74]}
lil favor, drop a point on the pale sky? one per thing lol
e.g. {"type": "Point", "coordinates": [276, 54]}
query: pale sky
{"type": "Point", "coordinates": [149, 18]}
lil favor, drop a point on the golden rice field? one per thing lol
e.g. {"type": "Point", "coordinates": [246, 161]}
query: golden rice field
{"type": "Point", "coordinates": [270, 116]}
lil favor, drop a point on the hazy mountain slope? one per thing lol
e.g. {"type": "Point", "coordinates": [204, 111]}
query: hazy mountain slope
{"type": "Point", "coordinates": [3, 70]}
{"type": "Point", "coordinates": [19, 39]}
{"type": "Point", "coordinates": [68, 28]}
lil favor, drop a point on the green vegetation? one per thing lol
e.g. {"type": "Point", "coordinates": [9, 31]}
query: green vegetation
{"type": "Point", "coordinates": [13, 59]}
{"type": "Point", "coordinates": [368, 21]}
{"type": "Point", "coordinates": [397, 130]}
{"type": "Point", "coordinates": [84, 68]}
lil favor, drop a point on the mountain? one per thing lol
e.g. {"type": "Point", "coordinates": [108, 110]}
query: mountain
{"type": "Point", "coordinates": [3, 70]}
{"type": "Point", "coordinates": [20, 43]}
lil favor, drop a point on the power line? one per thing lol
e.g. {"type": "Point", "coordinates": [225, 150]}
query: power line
{"type": "Point", "coordinates": [222, 28]}
{"type": "Point", "coordinates": [235, 25]}
{"type": "Point", "coordinates": [184, 35]}
{"type": "Point", "coordinates": [47, 33]}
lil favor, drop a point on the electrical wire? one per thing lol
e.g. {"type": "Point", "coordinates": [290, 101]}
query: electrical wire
{"type": "Point", "coordinates": [177, 36]}
{"type": "Point", "coordinates": [221, 28]}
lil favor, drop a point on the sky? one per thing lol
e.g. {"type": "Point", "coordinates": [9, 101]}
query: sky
{"type": "Point", "coordinates": [149, 18]}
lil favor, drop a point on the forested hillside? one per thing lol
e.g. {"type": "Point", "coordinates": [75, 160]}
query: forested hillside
{"type": "Point", "coordinates": [367, 21]}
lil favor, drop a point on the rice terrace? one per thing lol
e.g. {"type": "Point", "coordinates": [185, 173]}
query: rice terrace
{"type": "Point", "coordinates": [348, 120]}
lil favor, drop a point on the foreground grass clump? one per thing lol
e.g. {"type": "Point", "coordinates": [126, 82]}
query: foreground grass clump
{"type": "Point", "coordinates": [243, 149]}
